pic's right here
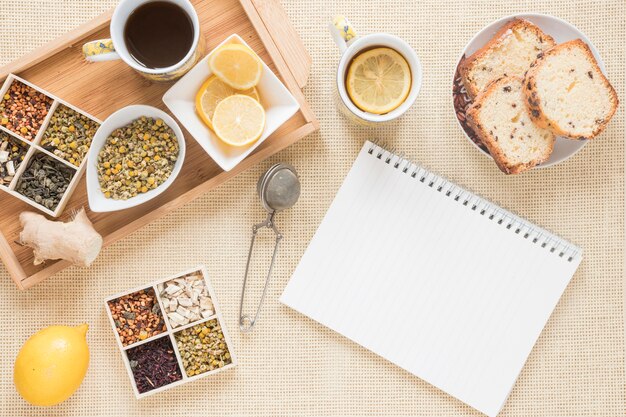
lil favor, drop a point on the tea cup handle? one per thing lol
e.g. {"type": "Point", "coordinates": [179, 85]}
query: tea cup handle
{"type": "Point", "coordinates": [100, 51]}
{"type": "Point", "coordinates": [342, 32]}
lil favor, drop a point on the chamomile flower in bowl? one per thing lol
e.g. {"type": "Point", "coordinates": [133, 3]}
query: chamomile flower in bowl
{"type": "Point", "coordinates": [136, 155]}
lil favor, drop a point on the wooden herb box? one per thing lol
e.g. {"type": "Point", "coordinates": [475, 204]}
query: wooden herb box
{"type": "Point", "coordinates": [102, 88]}
{"type": "Point", "coordinates": [35, 147]}
{"type": "Point", "coordinates": [172, 334]}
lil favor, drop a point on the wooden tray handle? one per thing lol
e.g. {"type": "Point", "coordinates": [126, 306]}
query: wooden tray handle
{"type": "Point", "coordinates": [279, 27]}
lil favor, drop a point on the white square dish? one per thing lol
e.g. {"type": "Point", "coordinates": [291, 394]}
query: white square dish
{"type": "Point", "coordinates": [279, 104]}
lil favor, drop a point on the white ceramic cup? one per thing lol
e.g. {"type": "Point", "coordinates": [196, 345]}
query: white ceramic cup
{"type": "Point", "coordinates": [115, 48]}
{"type": "Point", "coordinates": [351, 45]}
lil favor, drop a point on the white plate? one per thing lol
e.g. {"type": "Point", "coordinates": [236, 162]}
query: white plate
{"type": "Point", "coordinates": [97, 201]}
{"type": "Point", "coordinates": [278, 102]}
{"type": "Point", "coordinates": [561, 31]}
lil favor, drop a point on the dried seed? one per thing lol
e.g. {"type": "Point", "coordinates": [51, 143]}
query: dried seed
{"type": "Point", "coordinates": [23, 109]}
{"type": "Point", "coordinates": [137, 316]}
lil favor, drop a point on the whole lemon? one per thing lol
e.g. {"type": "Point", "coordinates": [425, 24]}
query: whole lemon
{"type": "Point", "coordinates": [52, 364]}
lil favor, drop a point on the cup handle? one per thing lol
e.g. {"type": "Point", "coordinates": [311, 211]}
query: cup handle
{"type": "Point", "coordinates": [342, 32]}
{"type": "Point", "coordinates": [100, 51]}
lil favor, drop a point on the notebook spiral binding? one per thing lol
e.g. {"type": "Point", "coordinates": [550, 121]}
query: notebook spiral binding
{"type": "Point", "coordinates": [475, 203]}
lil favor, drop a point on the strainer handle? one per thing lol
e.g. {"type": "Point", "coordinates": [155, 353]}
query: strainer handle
{"type": "Point", "coordinates": [245, 322]}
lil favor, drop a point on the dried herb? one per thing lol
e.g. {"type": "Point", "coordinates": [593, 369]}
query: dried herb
{"type": "Point", "coordinates": [69, 135]}
{"type": "Point", "coordinates": [137, 158]}
{"type": "Point", "coordinates": [23, 109]}
{"type": "Point", "coordinates": [154, 364]}
{"type": "Point", "coordinates": [186, 299]}
{"type": "Point", "coordinates": [137, 316]}
{"type": "Point", "coordinates": [45, 180]}
{"type": "Point", "coordinates": [203, 348]}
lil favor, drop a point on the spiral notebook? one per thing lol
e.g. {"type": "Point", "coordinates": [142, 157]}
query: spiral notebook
{"type": "Point", "coordinates": [431, 277]}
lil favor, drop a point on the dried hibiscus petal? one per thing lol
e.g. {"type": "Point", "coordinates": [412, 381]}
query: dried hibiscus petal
{"type": "Point", "coordinates": [154, 364]}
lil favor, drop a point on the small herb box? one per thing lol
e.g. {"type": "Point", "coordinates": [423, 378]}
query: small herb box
{"type": "Point", "coordinates": [174, 323]}
{"type": "Point", "coordinates": [52, 137]}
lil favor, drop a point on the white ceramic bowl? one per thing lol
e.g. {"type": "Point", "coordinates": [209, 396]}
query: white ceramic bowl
{"type": "Point", "coordinates": [561, 31]}
{"type": "Point", "coordinates": [278, 102]}
{"type": "Point", "coordinates": [97, 201]}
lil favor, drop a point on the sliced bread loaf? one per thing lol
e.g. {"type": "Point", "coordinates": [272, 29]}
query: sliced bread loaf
{"type": "Point", "coordinates": [567, 93]}
{"type": "Point", "coordinates": [509, 52]}
{"type": "Point", "coordinates": [500, 119]}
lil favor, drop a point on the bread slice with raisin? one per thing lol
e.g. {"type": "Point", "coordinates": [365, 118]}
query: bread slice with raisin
{"type": "Point", "coordinates": [566, 92]}
{"type": "Point", "coordinates": [509, 52]}
{"type": "Point", "coordinates": [499, 118]}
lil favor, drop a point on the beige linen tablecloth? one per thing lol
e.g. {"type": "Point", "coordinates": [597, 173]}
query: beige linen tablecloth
{"type": "Point", "coordinates": [290, 365]}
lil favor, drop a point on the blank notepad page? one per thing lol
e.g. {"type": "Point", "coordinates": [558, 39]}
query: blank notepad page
{"type": "Point", "coordinates": [435, 279]}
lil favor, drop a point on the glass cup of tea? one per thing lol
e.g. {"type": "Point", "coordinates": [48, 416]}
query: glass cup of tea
{"type": "Point", "coordinates": [378, 77]}
{"type": "Point", "coordinates": [159, 39]}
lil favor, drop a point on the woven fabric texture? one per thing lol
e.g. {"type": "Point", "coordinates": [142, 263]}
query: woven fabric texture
{"type": "Point", "coordinates": [290, 365]}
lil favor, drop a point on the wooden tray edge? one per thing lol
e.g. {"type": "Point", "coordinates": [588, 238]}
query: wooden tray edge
{"type": "Point", "coordinates": [271, 42]}
{"type": "Point", "coordinates": [300, 65]}
{"type": "Point", "coordinates": [279, 144]}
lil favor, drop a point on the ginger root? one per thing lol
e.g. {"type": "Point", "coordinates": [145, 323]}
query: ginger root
{"type": "Point", "coordinates": [75, 241]}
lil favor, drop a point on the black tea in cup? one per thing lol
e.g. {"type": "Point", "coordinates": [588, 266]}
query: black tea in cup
{"type": "Point", "coordinates": [158, 34]}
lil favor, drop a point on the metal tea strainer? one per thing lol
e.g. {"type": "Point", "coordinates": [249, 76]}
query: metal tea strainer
{"type": "Point", "coordinates": [278, 189]}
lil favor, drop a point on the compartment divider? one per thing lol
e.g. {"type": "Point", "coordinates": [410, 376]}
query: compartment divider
{"type": "Point", "coordinates": [201, 321]}
{"type": "Point", "coordinates": [143, 342]}
{"type": "Point", "coordinates": [63, 161]}
{"type": "Point", "coordinates": [46, 120]}
{"type": "Point", "coordinates": [179, 358]}
{"type": "Point", "coordinates": [15, 135]}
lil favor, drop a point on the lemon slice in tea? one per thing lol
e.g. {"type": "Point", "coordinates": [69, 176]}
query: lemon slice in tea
{"type": "Point", "coordinates": [378, 80]}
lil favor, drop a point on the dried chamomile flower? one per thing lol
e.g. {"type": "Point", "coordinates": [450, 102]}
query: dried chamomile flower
{"type": "Point", "coordinates": [203, 348]}
{"type": "Point", "coordinates": [137, 158]}
{"type": "Point", "coordinates": [69, 135]}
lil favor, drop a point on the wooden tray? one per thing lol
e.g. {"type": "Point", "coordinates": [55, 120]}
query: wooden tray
{"type": "Point", "coordinates": [102, 88]}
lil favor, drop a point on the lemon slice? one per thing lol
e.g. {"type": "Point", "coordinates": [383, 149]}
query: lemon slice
{"type": "Point", "coordinates": [212, 92]}
{"type": "Point", "coordinates": [239, 120]}
{"type": "Point", "coordinates": [236, 65]}
{"type": "Point", "coordinates": [378, 80]}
